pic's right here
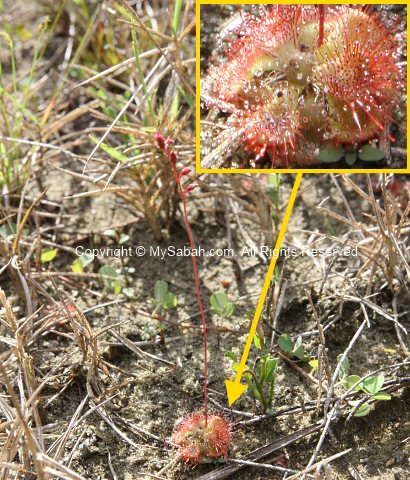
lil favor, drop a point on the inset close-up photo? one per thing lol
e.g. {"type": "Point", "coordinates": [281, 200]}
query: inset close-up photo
{"type": "Point", "coordinates": [303, 86]}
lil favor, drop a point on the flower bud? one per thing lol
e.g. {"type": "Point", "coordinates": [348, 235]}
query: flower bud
{"type": "Point", "coordinates": [173, 158]}
{"type": "Point", "coordinates": [183, 172]}
{"type": "Point", "coordinates": [160, 141]}
{"type": "Point", "coordinates": [190, 187]}
{"type": "Point", "coordinates": [169, 142]}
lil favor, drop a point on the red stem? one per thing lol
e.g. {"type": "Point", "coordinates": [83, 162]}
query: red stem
{"type": "Point", "coordinates": [321, 24]}
{"type": "Point", "coordinates": [198, 293]}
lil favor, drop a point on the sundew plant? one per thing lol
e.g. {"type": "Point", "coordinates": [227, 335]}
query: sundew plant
{"type": "Point", "coordinates": [300, 84]}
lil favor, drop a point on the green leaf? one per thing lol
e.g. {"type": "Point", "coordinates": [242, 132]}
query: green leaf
{"type": "Point", "coordinates": [299, 352]}
{"type": "Point", "coordinates": [298, 349]}
{"type": "Point", "coordinates": [229, 354]}
{"type": "Point", "coordinates": [274, 183]}
{"type": "Point", "coordinates": [77, 266]}
{"type": "Point", "coordinates": [382, 396]}
{"type": "Point", "coordinates": [160, 290]}
{"type": "Point", "coordinates": [330, 154]}
{"type": "Point", "coordinates": [235, 368]}
{"type": "Point", "coordinates": [128, 292]}
{"type": "Point", "coordinates": [257, 341]}
{"type": "Point", "coordinates": [373, 384]}
{"type": "Point", "coordinates": [86, 260]}
{"type": "Point", "coordinates": [271, 365]}
{"type": "Point", "coordinates": [351, 380]}
{"type": "Point", "coordinates": [169, 301]}
{"type": "Point", "coordinates": [109, 271]}
{"type": "Point", "coordinates": [48, 254]}
{"type": "Point", "coordinates": [124, 238]}
{"type": "Point", "coordinates": [117, 287]}
{"type": "Point", "coordinates": [112, 152]}
{"type": "Point", "coordinates": [285, 343]}
{"type": "Point", "coordinates": [362, 411]}
{"type": "Point", "coordinates": [81, 262]}
{"type": "Point", "coordinates": [11, 229]}
{"type": "Point", "coordinates": [274, 180]}
{"type": "Point", "coordinates": [218, 302]}
{"type": "Point", "coordinates": [110, 233]}
{"type": "Point", "coordinates": [188, 99]}
{"type": "Point", "coordinates": [229, 309]}
{"type": "Point", "coordinates": [368, 153]}
{"type": "Point", "coordinates": [344, 368]}
{"type": "Point", "coordinates": [314, 365]}
{"type": "Point", "coordinates": [173, 111]}
{"type": "Point", "coordinates": [351, 158]}
{"type": "Point", "coordinates": [176, 16]}
{"type": "Point", "coordinates": [298, 343]}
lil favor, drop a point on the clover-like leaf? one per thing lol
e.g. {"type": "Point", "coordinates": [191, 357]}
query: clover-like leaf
{"type": "Point", "coordinates": [285, 343]}
{"type": "Point", "coordinates": [373, 384]}
{"type": "Point", "coordinates": [330, 154]}
{"type": "Point", "coordinates": [368, 153]}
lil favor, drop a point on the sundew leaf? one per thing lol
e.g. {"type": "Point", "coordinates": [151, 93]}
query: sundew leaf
{"type": "Point", "coordinates": [368, 153]}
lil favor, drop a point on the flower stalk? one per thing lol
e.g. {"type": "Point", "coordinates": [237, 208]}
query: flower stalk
{"type": "Point", "coordinates": [172, 156]}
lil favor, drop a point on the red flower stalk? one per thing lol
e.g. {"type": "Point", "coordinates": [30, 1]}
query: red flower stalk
{"type": "Point", "coordinates": [173, 158]}
{"type": "Point", "coordinates": [321, 24]}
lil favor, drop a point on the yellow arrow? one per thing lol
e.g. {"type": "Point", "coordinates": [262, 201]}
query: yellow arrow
{"type": "Point", "coordinates": [235, 389]}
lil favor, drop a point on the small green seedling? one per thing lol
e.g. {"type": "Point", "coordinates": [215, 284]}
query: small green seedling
{"type": "Point", "coordinates": [294, 349]}
{"type": "Point", "coordinates": [81, 262]}
{"type": "Point", "coordinates": [114, 282]}
{"type": "Point", "coordinates": [221, 305]}
{"type": "Point", "coordinates": [48, 255]}
{"type": "Point", "coordinates": [261, 378]}
{"type": "Point", "coordinates": [163, 298]}
{"type": "Point", "coordinates": [369, 386]}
